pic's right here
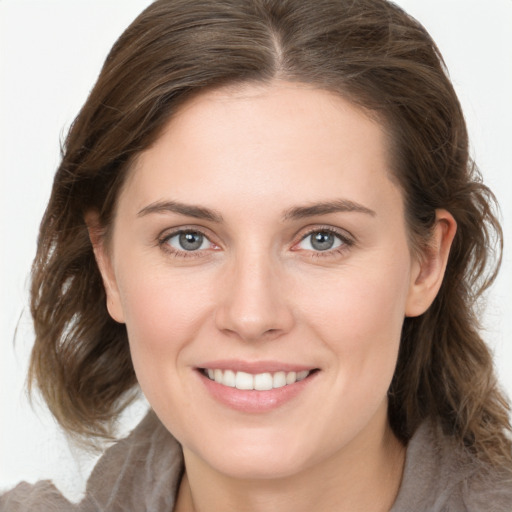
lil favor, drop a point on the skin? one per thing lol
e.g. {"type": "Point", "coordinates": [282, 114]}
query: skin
{"type": "Point", "coordinates": [258, 290]}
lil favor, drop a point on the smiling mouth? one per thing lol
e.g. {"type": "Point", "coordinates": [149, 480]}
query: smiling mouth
{"type": "Point", "coordinates": [259, 382]}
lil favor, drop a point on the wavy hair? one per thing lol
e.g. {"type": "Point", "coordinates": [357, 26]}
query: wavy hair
{"type": "Point", "coordinates": [369, 52]}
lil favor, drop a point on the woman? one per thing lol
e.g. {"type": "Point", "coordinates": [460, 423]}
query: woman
{"type": "Point", "coordinates": [312, 345]}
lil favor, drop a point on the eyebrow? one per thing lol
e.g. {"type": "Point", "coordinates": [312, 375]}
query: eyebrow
{"type": "Point", "coordinates": [295, 213]}
{"type": "Point", "coordinates": [189, 210]}
{"type": "Point", "coordinates": [323, 208]}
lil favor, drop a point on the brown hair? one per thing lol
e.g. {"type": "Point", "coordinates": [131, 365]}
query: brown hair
{"type": "Point", "coordinates": [368, 51]}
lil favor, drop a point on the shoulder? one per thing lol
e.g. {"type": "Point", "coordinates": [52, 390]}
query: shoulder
{"type": "Point", "coordinates": [140, 472]}
{"type": "Point", "coordinates": [440, 476]}
{"type": "Point", "coordinates": [40, 497]}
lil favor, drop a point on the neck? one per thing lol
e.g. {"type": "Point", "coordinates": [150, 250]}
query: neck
{"type": "Point", "coordinates": [364, 477]}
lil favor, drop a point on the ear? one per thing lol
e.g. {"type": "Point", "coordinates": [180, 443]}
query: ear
{"type": "Point", "coordinates": [104, 262]}
{"type": "Point", "coordinates": [428, 270]}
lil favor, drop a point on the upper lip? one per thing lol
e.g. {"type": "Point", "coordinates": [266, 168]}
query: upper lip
{"type": "Point", "coordinates": [254, 367]}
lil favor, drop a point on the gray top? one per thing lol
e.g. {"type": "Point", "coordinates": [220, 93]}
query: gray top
{"type": "Point", "coordinates": [141, 473]}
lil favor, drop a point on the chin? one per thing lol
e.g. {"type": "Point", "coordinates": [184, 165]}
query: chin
{"type": "Point", "coordinates": [258, 466]}
{"type": "Point", "coordinates": [256, 455]}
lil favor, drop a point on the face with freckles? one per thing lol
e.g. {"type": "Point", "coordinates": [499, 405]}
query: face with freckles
{"type": "Point", "coordinates": [259, 258]}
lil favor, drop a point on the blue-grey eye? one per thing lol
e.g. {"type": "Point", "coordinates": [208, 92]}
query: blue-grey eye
{"type": "Point", "coordinates": [188, 241]}
{"type": "Point", "coordinates": [320, 241]}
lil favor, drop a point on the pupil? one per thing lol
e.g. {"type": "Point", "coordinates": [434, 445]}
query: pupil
{"type": "Point", "coordinates": [191, 241]}
{"type": "Point", "coordinates": [322, 241]}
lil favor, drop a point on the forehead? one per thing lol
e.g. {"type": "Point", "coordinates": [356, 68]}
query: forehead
{"type": "Point", "coordinates": [251, 141]}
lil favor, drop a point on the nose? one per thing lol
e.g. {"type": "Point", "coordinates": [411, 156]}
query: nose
{"type": "Point", "coordinates": [254, 304]}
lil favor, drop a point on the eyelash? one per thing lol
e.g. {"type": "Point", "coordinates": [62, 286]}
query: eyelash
{"type": "Point", "coordinates": [346, 243]}
{"type": "Point", "coordinates": [163, 243]}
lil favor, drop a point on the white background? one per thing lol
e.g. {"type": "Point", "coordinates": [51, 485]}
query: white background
{"type": "Point", "coordinates": [51, 54]}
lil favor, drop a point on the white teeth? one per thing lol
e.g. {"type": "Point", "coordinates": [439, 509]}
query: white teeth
{"type": "Point", "coordinates": [291, 377]}
{"type": "Point", "coordinates": [229, 378]}
{"type": "Point", "coordinates": [244, 380]}
{"type": "Point", "coordinates": [263, 381]}
{"type": "Point", "coordinates": [259, 382]}
{"type": "Point", "coordinates": [302, 375]}
{"type": "Point", "coordinates": [279, 379]}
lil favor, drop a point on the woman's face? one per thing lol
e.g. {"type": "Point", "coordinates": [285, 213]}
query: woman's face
{"type": "Point", "coordinates": [261, 243]}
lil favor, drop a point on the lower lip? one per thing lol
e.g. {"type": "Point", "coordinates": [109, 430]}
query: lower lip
{"type": "Point", "coordinates": [253, 401]}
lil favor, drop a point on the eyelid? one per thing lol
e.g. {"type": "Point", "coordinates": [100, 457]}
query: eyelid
{"type": "Point", "coordinates": [169, 233]}
{"type": "Point", "coordinates": [177, 237]}
{"type": "Point", "coordinates": [347, 238]}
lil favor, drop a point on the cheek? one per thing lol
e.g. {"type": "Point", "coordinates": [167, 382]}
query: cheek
{"type": "Point", "coordinates": [163, 314]}
{"type": "Point", "coordinates": [160, 306]}
{"type": "Point", "coordinates": [359, 315]}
